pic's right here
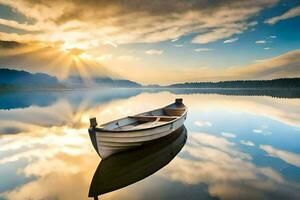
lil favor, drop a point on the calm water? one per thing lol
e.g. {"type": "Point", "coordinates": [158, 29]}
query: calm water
{"type": "Point", "coordinates": [237, 147]}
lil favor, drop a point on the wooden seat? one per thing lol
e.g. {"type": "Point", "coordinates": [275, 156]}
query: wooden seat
{"type": "Point", "coordinates": [153, 118]}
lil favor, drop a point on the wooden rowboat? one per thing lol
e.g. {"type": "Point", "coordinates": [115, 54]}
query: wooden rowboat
{"type": "Point", "coordinates": [134, 131]}
{"type": "Point", "coordinates": [126, 168]}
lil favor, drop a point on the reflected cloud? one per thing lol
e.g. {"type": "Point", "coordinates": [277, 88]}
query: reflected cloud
{"type": "Point", "coordinates": [229, 173]}
{"type": "Point", "coordinates": [247, 143]}
{"type": "Point", "coordinates": [56, 157]}
{"type": "Point", "coordinates": [262, 130]}
{"type": "Point", "coordinates": [229, 135]}
{"type": "Point", "coordinates": [283, 110]}
{"type": "Point", "coordinates": [202, 123]}
{"type": "Point", "coordinates": [286, 156]}
{"type": "Point", "coordinates": [54, 144]}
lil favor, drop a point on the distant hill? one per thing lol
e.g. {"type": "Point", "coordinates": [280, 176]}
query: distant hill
{"type": "Point", "coordinates": [276, 83]}
{"type": "Point", "coordinates": [76, 81]}
{"type": "Point", "coordinates": [15, 78]}
{"type": "Point", "coordinates": [18, 79]}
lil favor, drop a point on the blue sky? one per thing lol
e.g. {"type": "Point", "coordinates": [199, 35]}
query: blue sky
{"type": "Point", "coordinates": [159, 42]}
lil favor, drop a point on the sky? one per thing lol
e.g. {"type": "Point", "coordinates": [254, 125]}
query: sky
{"type": "Point", "coordinates": [156, 42]}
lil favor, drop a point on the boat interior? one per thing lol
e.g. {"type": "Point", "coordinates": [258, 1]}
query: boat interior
{"type": "Point", "coordinates": [148, 119]}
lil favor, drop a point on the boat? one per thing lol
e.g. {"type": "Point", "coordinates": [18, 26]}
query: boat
{"type": "Point", "coordinates": [128, 167]}
{"type": "Point", "coordinates": [134, 131]}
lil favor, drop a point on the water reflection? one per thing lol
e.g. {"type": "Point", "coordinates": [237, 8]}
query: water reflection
{"type": "Point", "coordinates": [13, 100]}
{"type": "Point", "coordinates": [228, 172]}
{"type": "Point", "coordinates": [25, 99]}
{"type": "Point", "coordinates": [239, 147]}
{"type": "Point", "coordinates": [280, 93]}
{"type": "Point", "coordinates": [125, 168]}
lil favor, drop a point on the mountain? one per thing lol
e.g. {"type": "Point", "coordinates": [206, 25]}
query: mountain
{"type": "Point", "coordinates": [286, 83]}
{"type": "Point", "coordinates": [76, 81]}
{"type": "Point", "coordinates": [15, 78]}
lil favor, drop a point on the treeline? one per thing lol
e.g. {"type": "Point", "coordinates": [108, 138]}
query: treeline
{"type": "Point", "coordinates": [275, 83]}
{"type": "Point", "coordinates": [277, 93]}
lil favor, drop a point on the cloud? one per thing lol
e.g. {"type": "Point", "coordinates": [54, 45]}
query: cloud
{"type": "Point", "coordinates": [110, 43]}
{"type": "Point", "coordinates": [154, 52]}
{"type": "Point", "coordinates": [17, 25]}
{"type": "Point", "coordinates": [104, 57]}
{"type": "Point", "coordinates": [202, 49]}
{"type": "Point", "coordinates": [284, 65]}
{"type": "Point", "coordinates": [257, 131]}
{"type": "Point", "coordinates": [203, 123]}
{"type": "Point", "coordinates": [288, 157]}
{"type": "Point", "coordinates": [10, 44]}
{"type": "Point", "coordinates": [273, 36]}
{"type": "Point", "coordinates": [134, 21]}
{"type": "Point", "coordinates": [62, 147]}
{"type": "Point", "coordinates": [231, 40]}
{"type": "Point", "coordinates": [260, 42]}
{"type": "Point", "coordinates": [217, 34]}
{"type": "Point", "coordinates": [294, 12]}
{"type": "Point", "coordinates": [178, 45]}
{"type": "Point", "coordinates": [174, 40]}
{"type": "Point", "coordinates": [262, 130]}
{"type": "Point", "coordinates": [228, 135]}
{"type": "Point", "coordinates": [227, 172]}
{"type": "Point", "coordinates": [267, 48]}
{"type": "Point", "coordinates": [247, 143]}
{"type": "Point", "coordinates": [128, 58]}
{"type": "Point", "coordinates": [76, 51]}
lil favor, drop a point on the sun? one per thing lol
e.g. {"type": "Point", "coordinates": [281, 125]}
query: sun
{"type": "Point", "coordinates": [76, 53]}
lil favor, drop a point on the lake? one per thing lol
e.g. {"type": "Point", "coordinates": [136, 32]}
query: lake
{"type": "Point", "coordinates": [235, 145]}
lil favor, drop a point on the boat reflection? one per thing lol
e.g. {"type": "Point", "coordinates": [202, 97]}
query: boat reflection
{"type": "Point", "coordinates": [123, 169]}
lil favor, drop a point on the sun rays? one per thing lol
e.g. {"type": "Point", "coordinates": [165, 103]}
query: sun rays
{"type": "Point", "coordinates": [54, 58]}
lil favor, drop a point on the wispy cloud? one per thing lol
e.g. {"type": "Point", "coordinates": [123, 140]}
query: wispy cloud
{"type": "Point", "coordinates": [202, 49]}
{"type": "Point", "coordinates": [128, 58]}
{"type": "Point", "coordinates": [227, 172]}
{"type": "Point", "coordinates": [289, 157]}
{"type": "Point", "coordinates": [231, 40]}
{"type": "Point", "coordinates": [260, 42]}
{"type": "Point", "coordinates": [257, 131]}
{"type": "Point", "coordinates": [263, 130]}
{"type": "Point", "coordinates": [273, 36]}
{"type": "Point", "coordinates": [217, 34]}
{"type": "Point", "coordinates": [154, 52]}
{"type": "Point", "coordinates": [247, 143]}
{"type": "Point", "coordinates": [228, 135]}
{"type": "Point", "coordinates": [203, 123]}
{"type": "Point", "coordinates": [294, 12]}
{"type": "Point", "coordinates": [110, 43]}
{"type": "Point", "coordinates": [17, 25]}
{"type": "Point", "coordinates": [58, 20]}
{"type": "Point", "coordinates": [267, 48]}
{"type": "Point", "coordinates": [178, 45]}
{"type": "Point", "coordinates": [104, 57]}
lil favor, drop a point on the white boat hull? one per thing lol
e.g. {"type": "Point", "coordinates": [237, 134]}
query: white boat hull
{"type": "Point", "coordinates": [108, 142]}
